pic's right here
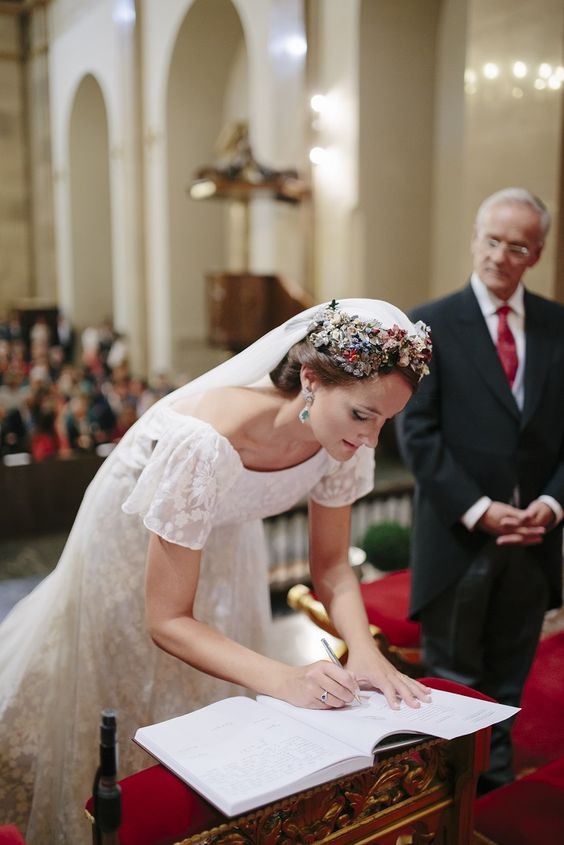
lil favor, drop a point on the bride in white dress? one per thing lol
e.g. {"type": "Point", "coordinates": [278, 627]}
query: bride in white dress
{"type": "Point", "coordinates": [159, 603]}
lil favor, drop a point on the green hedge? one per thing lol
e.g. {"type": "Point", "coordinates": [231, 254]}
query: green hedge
{"type": "Point", "coordinates": [386, 545]}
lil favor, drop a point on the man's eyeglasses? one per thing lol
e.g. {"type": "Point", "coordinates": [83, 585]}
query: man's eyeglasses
{"type": "Point", "coordinates": [516, 251]}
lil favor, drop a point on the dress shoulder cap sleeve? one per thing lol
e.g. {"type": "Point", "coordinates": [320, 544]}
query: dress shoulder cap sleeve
{"type": "Point", "coordinates": [346, 482]}
{"type": "Point", "coordinates": [189, 471]}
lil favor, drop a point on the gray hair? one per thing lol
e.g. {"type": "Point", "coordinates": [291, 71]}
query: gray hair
{"type": "Point", "coordinates": [516, 195]}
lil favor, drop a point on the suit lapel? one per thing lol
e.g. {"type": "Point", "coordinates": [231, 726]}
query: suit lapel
{"type": "Point", "coordinates": [473, 334]}
{"type": "Point", "coordinates": [537, 357]}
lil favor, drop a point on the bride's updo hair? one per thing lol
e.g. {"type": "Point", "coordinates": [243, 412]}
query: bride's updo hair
{"type": "Point", "coordinates": [286, 375]}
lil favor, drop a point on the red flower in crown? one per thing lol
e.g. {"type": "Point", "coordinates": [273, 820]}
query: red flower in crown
{"type": "Point", "coordinates": [363, 348]}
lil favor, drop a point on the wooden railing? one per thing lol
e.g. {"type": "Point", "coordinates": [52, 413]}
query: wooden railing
{"type": "Point", "coordinates": [287, 534]}
{"type": "Point", "coordinates": [40, 498]}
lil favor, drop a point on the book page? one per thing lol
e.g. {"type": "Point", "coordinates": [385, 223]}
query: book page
{"type": "Point", "coordinates": [239, 754]}
{"type": "Point", "coordinates": [364, 725]}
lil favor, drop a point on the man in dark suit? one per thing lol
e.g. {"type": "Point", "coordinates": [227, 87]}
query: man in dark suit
{"type": "Point", "coordinates": [484, 438]}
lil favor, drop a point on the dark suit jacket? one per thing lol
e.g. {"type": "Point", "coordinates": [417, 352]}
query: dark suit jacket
{"type": "Point", "coordinates": [463, 436]}
{"type": "Point", "coordinates": [14, 433]}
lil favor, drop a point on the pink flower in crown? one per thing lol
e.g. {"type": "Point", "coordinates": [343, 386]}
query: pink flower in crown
{"type": "Point", "coordinates": [403, 360]}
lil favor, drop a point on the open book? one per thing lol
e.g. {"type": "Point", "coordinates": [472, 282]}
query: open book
{"type": "Point", "coordinates": [240, 753]}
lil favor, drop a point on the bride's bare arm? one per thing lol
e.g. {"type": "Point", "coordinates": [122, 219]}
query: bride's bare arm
{"type": "Point", "coordinates": [170, 589]}
{"type": "Point", "coordinates": [338, 590]}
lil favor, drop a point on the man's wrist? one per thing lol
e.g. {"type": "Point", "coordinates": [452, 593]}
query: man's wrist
{"type": "Point", "coordinates": [474, 514]}
{"type": "Point", "coordinates": [555, 508]}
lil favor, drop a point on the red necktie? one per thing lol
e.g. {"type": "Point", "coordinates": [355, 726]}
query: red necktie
{"type": "Point", "coordinates": [506, 348]}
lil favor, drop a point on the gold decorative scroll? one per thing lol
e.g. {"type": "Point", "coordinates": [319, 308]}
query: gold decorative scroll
{"type": "Point", "coordinates": [316, 814]}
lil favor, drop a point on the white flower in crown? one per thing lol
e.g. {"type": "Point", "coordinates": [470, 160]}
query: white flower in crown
{"type": "Point", "coordinates": [363, 347]}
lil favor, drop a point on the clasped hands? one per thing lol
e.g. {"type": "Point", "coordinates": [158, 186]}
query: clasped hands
{"type": "Point", "coordinates": [517, 526]}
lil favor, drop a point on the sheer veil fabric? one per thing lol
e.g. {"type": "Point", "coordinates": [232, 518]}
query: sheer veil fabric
{"type": "Point", "coordinates": [78, 642]}
{"type": "Point", "coordinates": [259, 359]}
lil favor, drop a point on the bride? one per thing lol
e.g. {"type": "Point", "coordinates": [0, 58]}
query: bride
{"type": "Point", "coordinates": [159, 603]}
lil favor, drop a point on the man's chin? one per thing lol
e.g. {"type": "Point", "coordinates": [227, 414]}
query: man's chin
{"type": "Point", "coordinates": [498, 283]}
{"type": "Point", "coordinates": [496, 275]}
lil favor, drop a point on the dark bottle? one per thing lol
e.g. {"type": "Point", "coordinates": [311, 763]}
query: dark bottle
{"type": "Point", "coordinates": [107, 791]}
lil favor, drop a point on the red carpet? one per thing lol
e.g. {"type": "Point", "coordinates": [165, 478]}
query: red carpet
{"type": "Point", "coordinates": [529, 811]}
{"type": "Point", "coordinates": [538, 732]}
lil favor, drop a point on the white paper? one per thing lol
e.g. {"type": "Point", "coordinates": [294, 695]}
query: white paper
{"type": "Point", "coordinates": [363, 725]}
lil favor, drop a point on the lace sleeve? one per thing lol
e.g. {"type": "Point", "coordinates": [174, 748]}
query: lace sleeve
{"type": "Point", "coordinates": [347, 482]}
{"type": "Point", "coordinates": [178, 491]}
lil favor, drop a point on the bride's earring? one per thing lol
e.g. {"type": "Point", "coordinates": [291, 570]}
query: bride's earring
{"type": "Point", "coordinates": [308, 397]}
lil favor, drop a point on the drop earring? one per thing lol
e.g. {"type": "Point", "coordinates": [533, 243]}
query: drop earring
{"type": "Point", "coordinates": [308, 397]}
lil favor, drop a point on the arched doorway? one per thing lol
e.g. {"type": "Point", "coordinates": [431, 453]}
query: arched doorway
{"type": "Point", "coordinates": [90, 206]}
{"type": "Point", "coordinates": [207, 87]}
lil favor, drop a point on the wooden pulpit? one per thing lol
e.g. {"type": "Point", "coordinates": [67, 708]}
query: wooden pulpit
{"type": "Point", "coordinates": [241, 307]}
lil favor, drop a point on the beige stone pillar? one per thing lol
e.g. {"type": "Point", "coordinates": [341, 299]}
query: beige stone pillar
{"type": "Point", "coordinates": [43, 271]}
{"type": "Point", "coordinates": [15, 270]}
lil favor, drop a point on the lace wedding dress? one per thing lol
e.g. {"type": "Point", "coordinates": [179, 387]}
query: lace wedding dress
{"type": "Point", "coordinates": [78, 642]}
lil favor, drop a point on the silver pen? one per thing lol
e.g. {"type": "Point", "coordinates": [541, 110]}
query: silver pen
{"type": "Point", "coordinates": [337, 662]}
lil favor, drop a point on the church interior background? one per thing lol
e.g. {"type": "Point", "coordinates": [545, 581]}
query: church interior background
{"type": "Point", "coordinates": [394, 117]}
{"type": "Point", "coordinates": [188, 171]}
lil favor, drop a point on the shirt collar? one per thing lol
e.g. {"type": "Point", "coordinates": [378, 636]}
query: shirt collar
{"type": "Point", "coordinates": [489, 303]}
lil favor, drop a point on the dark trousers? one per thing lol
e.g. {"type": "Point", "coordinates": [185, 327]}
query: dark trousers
{"type": "Point", "coordinates": [483, 632]}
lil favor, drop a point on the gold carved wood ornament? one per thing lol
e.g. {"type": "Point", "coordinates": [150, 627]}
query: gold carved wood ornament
{"type": "Point", "coordinates": [334, 811]}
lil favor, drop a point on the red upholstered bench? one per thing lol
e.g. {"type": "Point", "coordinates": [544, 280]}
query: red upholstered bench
{"type": "Point", "coordinates": [526, 812]}
{"type": "Point", "coordinates": [387, 605]}
{"type": "Point", "coordinates": [159, 809]}
{"type": "Point", "coordinates": [10, 835]}
{"type": "Point", "coordinates": [453, 686]}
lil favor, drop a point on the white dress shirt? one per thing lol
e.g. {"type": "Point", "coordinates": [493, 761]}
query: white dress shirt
{"type": "Point", "coordinates": [516, 318]}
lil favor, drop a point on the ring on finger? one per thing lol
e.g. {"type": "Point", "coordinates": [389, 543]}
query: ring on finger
{"type": "Point", "coordinates": [324, 696]}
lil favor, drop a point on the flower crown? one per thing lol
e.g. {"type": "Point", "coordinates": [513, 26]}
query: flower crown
{"type": "Point", "coordinates": [365, 347]}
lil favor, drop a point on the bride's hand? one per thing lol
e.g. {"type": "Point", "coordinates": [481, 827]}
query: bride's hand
{"type": "Point", "coordinates": [319, 686]}
{"type": "Point", "coordinates": [373, 671]}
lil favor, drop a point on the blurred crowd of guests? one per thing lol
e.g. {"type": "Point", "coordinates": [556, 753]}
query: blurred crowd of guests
{"type": "Point", "coordinates": [62, 395]}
